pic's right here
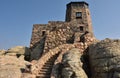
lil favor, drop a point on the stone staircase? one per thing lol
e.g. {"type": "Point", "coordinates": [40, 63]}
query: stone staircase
{"type": "Point", "coordinates": [45, 71]}
{"type": "Point", "coordinates": [43, 68]}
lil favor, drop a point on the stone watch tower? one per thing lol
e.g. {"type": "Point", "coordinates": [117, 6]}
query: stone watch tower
{"type": "Point", "coordinates": [79, 14]}
{"type": "Point", "coordinates": [55, 33]}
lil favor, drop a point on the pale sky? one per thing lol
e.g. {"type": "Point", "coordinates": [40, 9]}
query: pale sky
{"type": "Point", "coordinates": [18, 16]}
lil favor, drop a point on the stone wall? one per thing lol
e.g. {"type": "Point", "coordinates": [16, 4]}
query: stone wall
{"type": "Point", "coordinates": [37, 34]}
{"type": "Point", "coordinates": [60, 34]}
{"type": "Point", "coordinates": [57, 33]}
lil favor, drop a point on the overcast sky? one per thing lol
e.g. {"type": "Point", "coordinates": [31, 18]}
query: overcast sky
{"type": "Point", "coordinates": [18, 16]}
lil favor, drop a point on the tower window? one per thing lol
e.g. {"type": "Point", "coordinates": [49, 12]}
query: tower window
{"type": "Point", "coordinates": [43, 33]}
{"type": "Point", "coordinates": [81, 28]}
{"type": "Point", "coordinates": [78, 14]}
{"type": "Point", "coordinates": [53, 28]}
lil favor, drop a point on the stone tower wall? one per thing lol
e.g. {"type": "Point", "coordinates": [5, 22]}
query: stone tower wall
{"type": "Point", "coordinates": [89, 21]}
{"type": "Point", "coordinates": [83, 7]}
{"type": "Point", "coordinates": [61, 34]}
{"type": "Point", "coordinates": [37, 34]}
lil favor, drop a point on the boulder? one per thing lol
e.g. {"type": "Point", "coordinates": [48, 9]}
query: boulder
{"type": "Point", "coordinates": [72, 65]}
{"type": "Point", "coordinates": [11, 67]}
{"type": "Point", "coordinates": [2, 52]}
{"type": "Point", "coordinates": [19, 51]}
{"type": "Point", "coordinates": [104, 57]}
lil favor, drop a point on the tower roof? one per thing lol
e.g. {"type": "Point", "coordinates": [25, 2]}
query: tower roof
{"type": "Point", "coordinates": [79, 2]}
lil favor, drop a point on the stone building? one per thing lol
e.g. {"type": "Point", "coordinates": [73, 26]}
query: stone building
{"type": "Point", "coordinates": [50, 41]}
{"type": "Point", "coordinates": [56, 33]}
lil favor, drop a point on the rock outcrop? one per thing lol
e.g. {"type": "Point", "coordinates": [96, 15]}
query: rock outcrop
{"type": "Point", "coordinates": [72, 65]}
{"type": "Point", "coordinates": [19, 52]}
{"type": "Point", "coordinates": [104, 58]}
{"type": "Point", "coordinates": [12, 62]}
{"type": "Point", "coordinates": [2, 52]}
{"type": "Point", "coordinates": [12, 67]}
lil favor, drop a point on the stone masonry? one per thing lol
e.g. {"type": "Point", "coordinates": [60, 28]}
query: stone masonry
{"type": "Point", "coordinates": [56, 33]}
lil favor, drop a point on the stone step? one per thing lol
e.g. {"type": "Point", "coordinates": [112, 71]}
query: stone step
{"type": "Point", "coordinates": [47, 67]}
{"type": "Point", "coordinates": [45, 72]}
{"type": "Point", "coordinates": [43, 76]}
{"type": "Point", "coordinates": [51, 59]}
{"type": "Point", "coordinates": [50, 62]}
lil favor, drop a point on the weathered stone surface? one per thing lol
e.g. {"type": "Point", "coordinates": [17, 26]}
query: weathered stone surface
{"type": "Point", "coordinates": [18, 51]}
{"type": "Point", "coordinates": [36, 53]}
{"type": "Point", "coordinates": [27, 75]}
{"type": "Point", "coordinates": [11, 67]}
{"type": "Point", "coordinates": [64, 48]}
{"type": "Point", "coordinates": [104, 58]}
{"type": "Point", "coordinates": [10, 73]}
{"type": "Point", "coordinates": [72, 66]}
{"type": "Point", "coordinates": [2, 52]}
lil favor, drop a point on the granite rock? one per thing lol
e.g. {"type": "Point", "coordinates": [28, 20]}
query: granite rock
{"type": "Point", "coordinates": [72, 65]}
{"type": "Point", "coordinates": [104, 59]}
{"type": "Point", "coordinates": [12, 67]}
{"type": "Point", "coordinates": [18, 51]}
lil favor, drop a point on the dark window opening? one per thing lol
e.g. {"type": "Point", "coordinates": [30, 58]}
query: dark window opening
{"type": "Point", "coordinates": [81, 28]}
{"type": "Point", "coordinates": [78, 14]}
{"type": "Point", "coordinates": [43, 33]}
{"type": "Point", "coordinates": [71, 39]}
{"type": "Point", "coordinates": [54, 28]}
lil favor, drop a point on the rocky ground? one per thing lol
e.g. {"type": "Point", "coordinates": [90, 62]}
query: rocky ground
{"type": "Point", "coordinates": [101, 60]}
{"type": "Point", "coordinates": [12, 62]}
